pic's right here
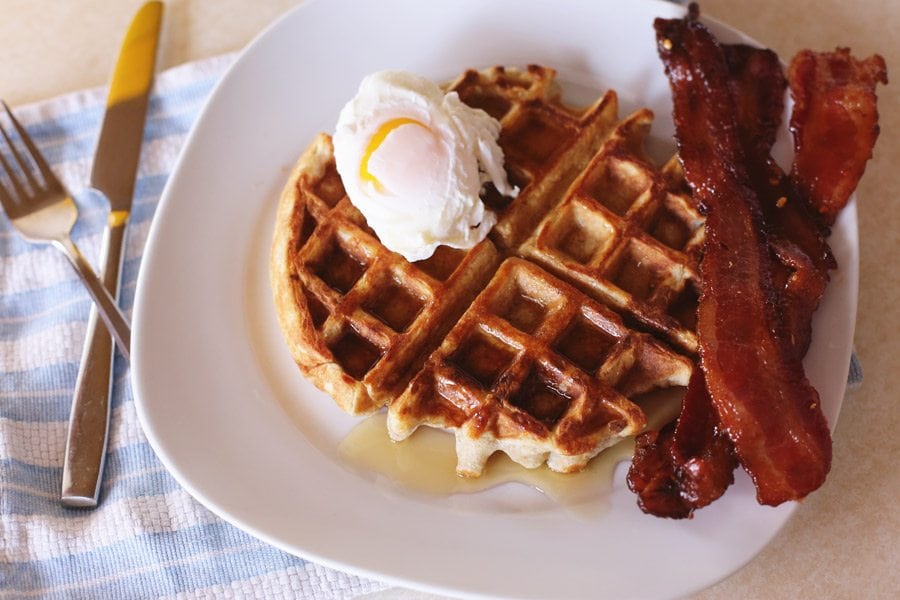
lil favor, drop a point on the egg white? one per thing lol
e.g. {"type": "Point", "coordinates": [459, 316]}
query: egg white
{"type": "Point", "coordinates": [413, 160]}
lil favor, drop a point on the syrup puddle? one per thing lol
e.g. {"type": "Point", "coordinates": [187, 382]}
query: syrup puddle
{"type": "Point", "coordinates": [426, 462]}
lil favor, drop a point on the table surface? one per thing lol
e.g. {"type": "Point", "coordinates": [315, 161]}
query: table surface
{"type": "Point", "coordinates": [843, 541]}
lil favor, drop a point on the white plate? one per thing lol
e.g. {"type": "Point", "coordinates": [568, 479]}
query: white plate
{"type": "Point", "coordinates": [212, 375]}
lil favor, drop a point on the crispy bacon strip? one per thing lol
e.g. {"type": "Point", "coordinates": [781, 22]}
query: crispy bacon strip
{"type": "Point", "coordinates": [802, 285]}
{"type": "Point", "coordinates": [756, 82]}
{"type": "Point", "coordinates": [835, 124]}
{"type": "Point", "coordinates": [802, 257]}
{"type": "Point", "coordinates": [654, 476]}
{"type": "Point", "coordinates": [688, 464]}
{"type": "Point", "coordinates": [762, 398]}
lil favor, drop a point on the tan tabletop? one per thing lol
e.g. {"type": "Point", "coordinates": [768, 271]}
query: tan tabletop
{"type": "Point", "coordinates": [843, 541]}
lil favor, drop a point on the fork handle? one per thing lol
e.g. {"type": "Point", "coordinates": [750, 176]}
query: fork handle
{"type": "Point", "coordinates": [88, 431]}
{"type": "Point", "coordinates": [106, 305]}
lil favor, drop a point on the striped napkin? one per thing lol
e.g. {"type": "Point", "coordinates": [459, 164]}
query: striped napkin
{"type": "Point", "coordinates": [148, 538]}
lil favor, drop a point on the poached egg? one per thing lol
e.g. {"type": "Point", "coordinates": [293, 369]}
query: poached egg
{"type": "Point", "coordinates": [414, 160]}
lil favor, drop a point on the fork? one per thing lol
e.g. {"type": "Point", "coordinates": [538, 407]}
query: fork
{"type": "Point", "coordinates": [44, 212]}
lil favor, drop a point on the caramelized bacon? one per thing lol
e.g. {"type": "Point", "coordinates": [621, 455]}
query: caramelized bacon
{"type": "Point", "coordinates": [801, 255]}
{"type": "Point", "coordinates": [788, 216]}
{"type": "Point", "coordinates": [802, 285]}
{"type": "Point", "coordinates": [756, 83]}
{"type": "Point", "coordinates": [688, 464]}
{"type": "Point", "coordinates": [691, 462]}
{"type": "Point", "coordinates": [762, 398]}
{"type": "Point", "coordinates": [835, 124]}
{"type": "Point", "coordinates": [654, 476]}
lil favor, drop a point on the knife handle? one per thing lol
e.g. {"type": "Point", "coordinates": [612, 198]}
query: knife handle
{"type": "Point", "coordinates": [89, 421]}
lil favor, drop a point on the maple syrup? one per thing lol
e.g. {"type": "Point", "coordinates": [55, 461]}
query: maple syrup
{"type": "Point", "coordinates": [425, 463]}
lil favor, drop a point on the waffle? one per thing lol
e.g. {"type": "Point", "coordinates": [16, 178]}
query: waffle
{"type": "Point", "coordinates": [357, 317]}
{"type": "Point", "coordinates": [538, 370]}
{"type": "Point", "coordinates": [630, 234]}
{"type": "Point", "coordinates": [565, 267]}
{"type": "Point", "coordinates": [545, 143]}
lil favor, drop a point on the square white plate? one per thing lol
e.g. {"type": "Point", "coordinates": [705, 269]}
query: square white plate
{"type": "Point", "coordinates": [225, 407]}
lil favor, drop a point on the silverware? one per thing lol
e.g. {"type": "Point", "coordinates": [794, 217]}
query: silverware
{"type": "Point", "coordinates": [43, 211]}
{"type": "Point", "coordinates": [113, 174]}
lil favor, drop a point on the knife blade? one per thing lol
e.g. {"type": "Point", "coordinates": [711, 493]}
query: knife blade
{"type": "Point", "coordinates": [114, 172]}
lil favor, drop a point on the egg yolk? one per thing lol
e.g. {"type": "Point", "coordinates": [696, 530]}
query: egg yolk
{"type": "Point", "coordinates": [375, 143]}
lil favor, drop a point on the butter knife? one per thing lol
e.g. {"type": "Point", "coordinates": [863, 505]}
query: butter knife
{"type": "Point", "coordinates": [114, 172]}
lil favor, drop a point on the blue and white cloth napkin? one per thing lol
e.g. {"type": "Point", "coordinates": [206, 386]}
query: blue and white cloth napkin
{"type": "Point", "coordinates": [148, 538]}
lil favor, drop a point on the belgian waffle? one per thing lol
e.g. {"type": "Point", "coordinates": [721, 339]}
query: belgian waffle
{"type": "Point", "coordinates": [356, 316]}
{"type": "Point", "coordinates": [532, 369]}
{"type": "Point", "coordinates": [630, 234]}
{"type": "Point", "coordinates": [545, 143]}
{"type": "Point", "coordinates": [372, 329]}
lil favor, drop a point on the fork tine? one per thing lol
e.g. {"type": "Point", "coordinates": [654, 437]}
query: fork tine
{"type": "Point", "coordinates": [26, 168]}
{"type": "Point", "coordinates": [6, 200]}
{"type": "Point", "coordinates": [20, 190]}
{"type": "Point", "coordinates": [49, 177]}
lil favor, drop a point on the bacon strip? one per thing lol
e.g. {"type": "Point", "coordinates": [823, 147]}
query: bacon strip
{"type": "Point", "coordinates": [835, 124]}
{"type": "Point", "coordinates": [762, 398]}
{"type": "Point", "coordinates": [756, 83]}
{"type": "Point", "coordinates": [655, 477]}
{"type": "Point", "coordinates": [688, 464]}
{"type": "Point", "coordinates": [802, 284]}
{"type": "Point", "coordinates": [802, 257]}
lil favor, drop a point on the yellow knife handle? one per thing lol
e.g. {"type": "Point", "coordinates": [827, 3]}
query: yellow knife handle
{"type": "Point", "coordinates": [134, 70]}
